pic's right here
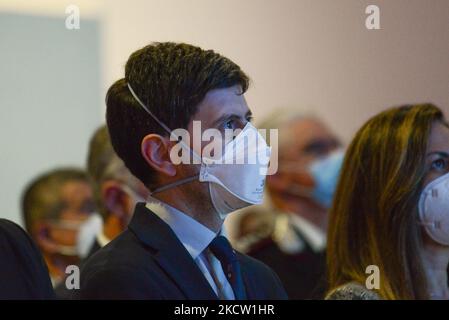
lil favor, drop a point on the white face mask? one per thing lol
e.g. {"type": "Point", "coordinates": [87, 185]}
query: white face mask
{"type": "Point", "coordinates": [86, 230]}
{"type": "Point", "coordinates": [88, 233]}
{"type": "Point", "coordinates": [238, 185]}
{"type": "Point", "coordinates": [231, 186]}
{"type": "Point", "coordinates": [433, 209]}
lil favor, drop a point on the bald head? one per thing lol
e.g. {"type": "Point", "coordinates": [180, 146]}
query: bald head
{"type": "Point", "coordinates": [304, 139]}
{"type": "Point", "coordinates": [301, 134]}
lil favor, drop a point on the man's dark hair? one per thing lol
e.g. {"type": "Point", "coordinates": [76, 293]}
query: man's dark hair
{"type": "Point", "coordinates": [43, 195]}
{"type": "Point", "coordinates": [171, 80]}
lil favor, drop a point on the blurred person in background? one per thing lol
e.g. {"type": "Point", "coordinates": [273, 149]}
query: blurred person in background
{"type": "Point", "coordinates": [300, 195]}
{"type": "Point", "coordinates": [253, 224]}
{"type": "Point", "coordinates": [392, 209]}
{"type": "Point", "coordinates": [116, 190]}
{"type": "Point", "coordinates": [58, 210]}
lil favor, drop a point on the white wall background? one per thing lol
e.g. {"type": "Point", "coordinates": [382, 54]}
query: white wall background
{"type": "Point", "coordinates": [309, 54]}
{"type": "Point", "coordinates": [49, 99]}
{"type": "Point", "coordinates": [314, 54]}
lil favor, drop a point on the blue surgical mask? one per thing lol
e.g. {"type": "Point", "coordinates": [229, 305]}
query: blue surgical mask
{"type": "Point", "coordinates": [325, 172]}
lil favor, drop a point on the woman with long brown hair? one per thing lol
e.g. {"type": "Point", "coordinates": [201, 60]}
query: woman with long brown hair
{"type": "Point", "coordinates": [391, 209]}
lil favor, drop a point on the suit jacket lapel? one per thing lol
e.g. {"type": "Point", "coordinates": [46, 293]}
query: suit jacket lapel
{"type": "Point", "coordinates": [170, 254]}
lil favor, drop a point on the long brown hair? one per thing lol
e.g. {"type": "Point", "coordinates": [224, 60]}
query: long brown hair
{"type": "Point", "coordinates": [373, 220]}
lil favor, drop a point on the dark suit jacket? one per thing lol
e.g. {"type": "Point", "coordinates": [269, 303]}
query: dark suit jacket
{"type": "Point", "coordinates": [93, 248]}
{"type": "Point", "coordinates": [303, 274]}
{"type": "Point", "coordinates": [147, 261]}
{"type": "Point", "coordinates": [23, 272]}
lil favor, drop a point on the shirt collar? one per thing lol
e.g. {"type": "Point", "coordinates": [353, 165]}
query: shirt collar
{"type": "Point", "coordinates": [102, 239]}
{"type": "Point", "coordinates": [193, 235]}
{"type": "Point", "coordinates": [315, 237]}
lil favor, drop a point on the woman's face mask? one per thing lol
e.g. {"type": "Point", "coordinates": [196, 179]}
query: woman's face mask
{"type": "Point", "coordinates": [433, 209]}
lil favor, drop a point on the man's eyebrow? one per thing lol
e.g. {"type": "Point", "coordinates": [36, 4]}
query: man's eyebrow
{"type": "Point", "coordinates": [227, 116]}
{"type": "Point", "coordinates": [440, 153]}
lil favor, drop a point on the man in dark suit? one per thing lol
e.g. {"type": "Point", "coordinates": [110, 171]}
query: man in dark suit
{"type": "Point", "coordinates": [153, 264]}
{"type": "Point", "coordinates": [23, 273]}
{"type": "Point", "coordinates": [175, 246]}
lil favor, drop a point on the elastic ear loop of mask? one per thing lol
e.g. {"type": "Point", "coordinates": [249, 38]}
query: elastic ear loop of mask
{"type": "Point", "coordinates": [170, 132]}
{"type": "Point", "coordinates": [166, 128]}
{"type": "Point", "coordinates": [175, 184]}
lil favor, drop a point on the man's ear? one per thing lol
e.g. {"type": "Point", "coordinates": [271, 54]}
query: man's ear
{"type": "Point", "coordinates": [156, 152]}
{"type": "Point", "coordinates": [41, 234]}
{"type": "Point", "coordinates": [113, 197]}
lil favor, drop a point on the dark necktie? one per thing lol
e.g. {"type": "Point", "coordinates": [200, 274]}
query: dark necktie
{"type": "Point", "coordinates": [222, 249]}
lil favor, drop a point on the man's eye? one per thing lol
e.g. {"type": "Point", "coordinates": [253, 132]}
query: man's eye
{"type": "Point", "coordinates": [439, 164]}
{"type": "Point", "coordinates": [229, 124]}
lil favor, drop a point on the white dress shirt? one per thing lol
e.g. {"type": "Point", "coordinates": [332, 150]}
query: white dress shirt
{"type": "Point", "coordinates": [196, 239]}
{"type": "Point", "coordinates": [288, 240]}
{"type": "Point", "coordinates": [102, 239]}
{"type": "Point", "coordinates": [314, 235]}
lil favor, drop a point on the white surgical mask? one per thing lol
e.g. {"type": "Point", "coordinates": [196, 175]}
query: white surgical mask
{"type": "Point", "coordinates": [231, 186]}
{"type": "Point", "coordinates": [86, 232]}
{"type": "Point", "coordinates": [433, 208]}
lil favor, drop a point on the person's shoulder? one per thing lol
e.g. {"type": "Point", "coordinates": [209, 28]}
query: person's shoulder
{"type": "Point", "coordinates": [24, 274]}
{"type": "Point", "coordinates": [4, 224]}
{"type": "Point", "coordinates": [120, 270]}
{"type": "Point", "coordinates": [119, 281]}
{"type": "Point", "coordinates": [17, 238]}
{"type": "Point", "coordinates": [125, 251]}
{"type": "Point", "coordinates": [9, 228]}
{"type": "Point", "coordinates": [352, 291]}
